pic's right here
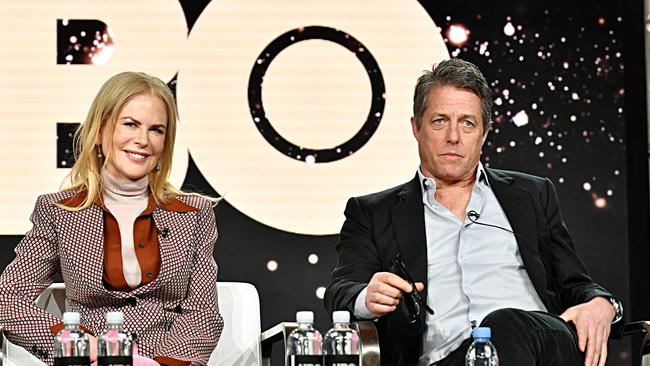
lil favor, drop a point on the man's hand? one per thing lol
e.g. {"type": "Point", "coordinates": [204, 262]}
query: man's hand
{"type": "Point", "coordinates": [385, 290]}
{"type": "Point", "coordinates": [593, 322]}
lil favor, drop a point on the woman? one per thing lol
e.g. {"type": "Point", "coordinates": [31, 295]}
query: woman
{"type": "Point", "coordinates": [123, 238]}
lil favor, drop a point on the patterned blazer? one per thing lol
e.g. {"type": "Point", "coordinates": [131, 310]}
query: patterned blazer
{"type": "Point", "coordinates": [176, 315]}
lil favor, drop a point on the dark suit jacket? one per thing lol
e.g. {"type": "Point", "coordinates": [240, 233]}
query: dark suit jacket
{"type": "Point", "coordinates": [379, 225]}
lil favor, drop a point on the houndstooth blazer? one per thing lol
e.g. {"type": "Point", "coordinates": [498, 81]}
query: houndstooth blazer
{"type": "Point", "coordinates": [176, 315]}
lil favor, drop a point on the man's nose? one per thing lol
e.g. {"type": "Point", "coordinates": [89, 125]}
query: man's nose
{"type": "Point", "coordinates": [452, 132]}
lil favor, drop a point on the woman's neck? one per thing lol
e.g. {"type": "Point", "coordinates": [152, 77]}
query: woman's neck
{"type": "Point", "coordinates": [119, 187]}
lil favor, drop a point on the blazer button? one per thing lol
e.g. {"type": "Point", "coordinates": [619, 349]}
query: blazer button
{"type": "Point", "coordinates": [149, 274]}
{"type": "Point", "coordinates": [141, 245]}
{"type": "Point", "coordinates": [132, 301]}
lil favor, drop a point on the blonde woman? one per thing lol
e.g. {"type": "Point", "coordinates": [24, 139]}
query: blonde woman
{"type": "Point", "coordinates": [123, 238]}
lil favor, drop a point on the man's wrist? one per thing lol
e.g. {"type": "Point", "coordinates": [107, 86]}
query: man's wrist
{"type": "Point", "coordinates": [618, 308]}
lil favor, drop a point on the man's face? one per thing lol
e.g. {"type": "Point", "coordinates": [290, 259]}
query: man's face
{"type": "Point", "coordinates": [451, 135]}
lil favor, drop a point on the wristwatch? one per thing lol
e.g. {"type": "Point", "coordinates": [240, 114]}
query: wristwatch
{"type": "Point", "coordinates": [618, 306]}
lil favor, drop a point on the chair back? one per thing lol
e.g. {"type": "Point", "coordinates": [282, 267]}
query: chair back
{"type": "Point", "coordinates": [239, 345]}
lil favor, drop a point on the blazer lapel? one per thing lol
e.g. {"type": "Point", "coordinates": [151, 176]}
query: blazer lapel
{"type": "Point", "coordinates": [84, 261]}
{"type": "Point", "coordinates": [519, 210]}
{"type": "Point", "coordinates": [176, 244]}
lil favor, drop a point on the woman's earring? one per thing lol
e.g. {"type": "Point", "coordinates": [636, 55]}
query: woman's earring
{"type": "Point", "coordinates": [158, 167]}
{"type": "Point", "coordinates": [100, 155]}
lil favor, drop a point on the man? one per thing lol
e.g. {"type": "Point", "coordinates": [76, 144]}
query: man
{"type": "Point", "coordinates": [489, 246]}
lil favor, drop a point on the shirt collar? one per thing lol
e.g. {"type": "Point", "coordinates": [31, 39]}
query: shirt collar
{"type": "Point", "coordinates": [174, 206]}
{"type": "Point", "coordinates": [428, 185]}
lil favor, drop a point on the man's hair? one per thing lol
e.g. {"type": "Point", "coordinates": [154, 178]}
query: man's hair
{"type": "Point", "coordinates": [460, 74]}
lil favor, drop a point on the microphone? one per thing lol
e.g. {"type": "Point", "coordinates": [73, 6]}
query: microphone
{"type": "Point", "coordinates": [473, 215]}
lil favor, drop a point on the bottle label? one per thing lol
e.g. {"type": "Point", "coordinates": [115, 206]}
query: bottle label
{"type": "Point", "coordinates": [341, 360]}
{"type": "Point", "coordinates": [305, 360]}
{"type": "Point", "coordinates": [72, 361]}
{"type": "Point", "coordinates": [115, 361]}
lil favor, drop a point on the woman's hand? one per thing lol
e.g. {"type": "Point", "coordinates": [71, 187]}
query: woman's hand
{"type": "Point", "coordinates": [92, 341]}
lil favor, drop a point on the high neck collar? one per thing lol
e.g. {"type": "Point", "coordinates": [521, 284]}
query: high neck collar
{"type": "Point", "coordinates": [124, 187]}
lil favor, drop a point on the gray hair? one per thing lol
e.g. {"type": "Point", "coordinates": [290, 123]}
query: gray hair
{"type": "Point", "coordinates": [458, 73]}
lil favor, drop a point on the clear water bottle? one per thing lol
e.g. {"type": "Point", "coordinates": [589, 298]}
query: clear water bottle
{"type": "Point", "coordinates": [341, 343]}
{"type": "Point", "coordinates": [71, 345]}
{"type": "Point", "coordinates": [115, 346]}
{"type": "Point", "coordinates": [303, 343]}
{"type": "Point", "coordinates": [481, 352]}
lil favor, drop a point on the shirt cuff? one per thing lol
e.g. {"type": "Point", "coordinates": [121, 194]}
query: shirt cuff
{"type": "Point", "coordinates": [360, 309]}
{"type": "Point", "coordinates": [169, 361]}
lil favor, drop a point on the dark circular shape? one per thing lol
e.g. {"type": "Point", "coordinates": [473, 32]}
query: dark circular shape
{"type": "Point", "coordinates": [304, 153]}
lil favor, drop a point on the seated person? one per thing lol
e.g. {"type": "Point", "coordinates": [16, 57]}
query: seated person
{"type": "Point", "coordinates": [487, 246]}
{"type": "Point", "coordinates": [123, 238]}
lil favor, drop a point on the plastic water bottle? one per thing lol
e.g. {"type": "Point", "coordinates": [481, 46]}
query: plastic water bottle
{"type": "Point", "coordinates": [341, 343]}
{"type": "Point", "coordinates": [115, 346]}
{"type": "Point", "coordinates": [303, 343]}
{"type": "Point", "coordinates": [71, 345]}
{"type": "Point", "coordinates": [481, 352]}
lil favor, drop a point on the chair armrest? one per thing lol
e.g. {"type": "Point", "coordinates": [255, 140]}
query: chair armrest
{"type": "Point", "coordinates": [636, 327]}
{"type": "Point", "coordinates": [270, 336]}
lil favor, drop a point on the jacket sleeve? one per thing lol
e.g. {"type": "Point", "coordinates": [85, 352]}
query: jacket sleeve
{"type": "Point", "coordinates": [358, 260]}
{"type": "Point", "coordinates": [574, 284]}
{"type": "Point", "coordinates": [31, 272]}
{"type": "Point", "coordinates": [195, 332]}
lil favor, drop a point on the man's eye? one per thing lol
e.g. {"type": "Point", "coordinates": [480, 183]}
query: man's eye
{"type": "Point", "coordinates": [468, 124]}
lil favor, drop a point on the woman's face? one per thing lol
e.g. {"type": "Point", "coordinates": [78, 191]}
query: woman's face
{"type": "Point", "coordinates": [138, 137]}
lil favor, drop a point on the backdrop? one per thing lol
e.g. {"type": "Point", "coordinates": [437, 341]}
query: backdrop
{"type": "Point", "coordinates": [288, 108]}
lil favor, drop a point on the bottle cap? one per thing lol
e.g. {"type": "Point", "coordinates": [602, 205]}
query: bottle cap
{"type": "Point", "coordinates": [341, 316]}
{"type": "Point", "coordinates": [482, 332]}
{"type": "Point", "coordinates": [71, 318]}
{"type": "Point", "coordinates": [305, 316]}
{"type": "Point", "coordinates": [115, 317]}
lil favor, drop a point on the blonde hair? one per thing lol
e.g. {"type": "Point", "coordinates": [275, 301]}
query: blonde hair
{"type": "Point", "coordinates": [109, 101]}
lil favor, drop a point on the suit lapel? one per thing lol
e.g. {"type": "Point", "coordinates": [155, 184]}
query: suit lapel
{"type": "Point", "coordinates": [175, 245]}
{"type": "Point", "coordinates": [84, 261]}
{"type": "Point", "coordinates": [520, 212]}
{"type": "Point", "coordinates": [407, 217]}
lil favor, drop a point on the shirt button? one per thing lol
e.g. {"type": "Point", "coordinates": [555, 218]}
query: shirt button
{"type": "Point", "coordinates": [132, 301]}
{"type": "Point", "coordinates": [141, 245]}
{"type": "Point", "coordinates": [149, 274]}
